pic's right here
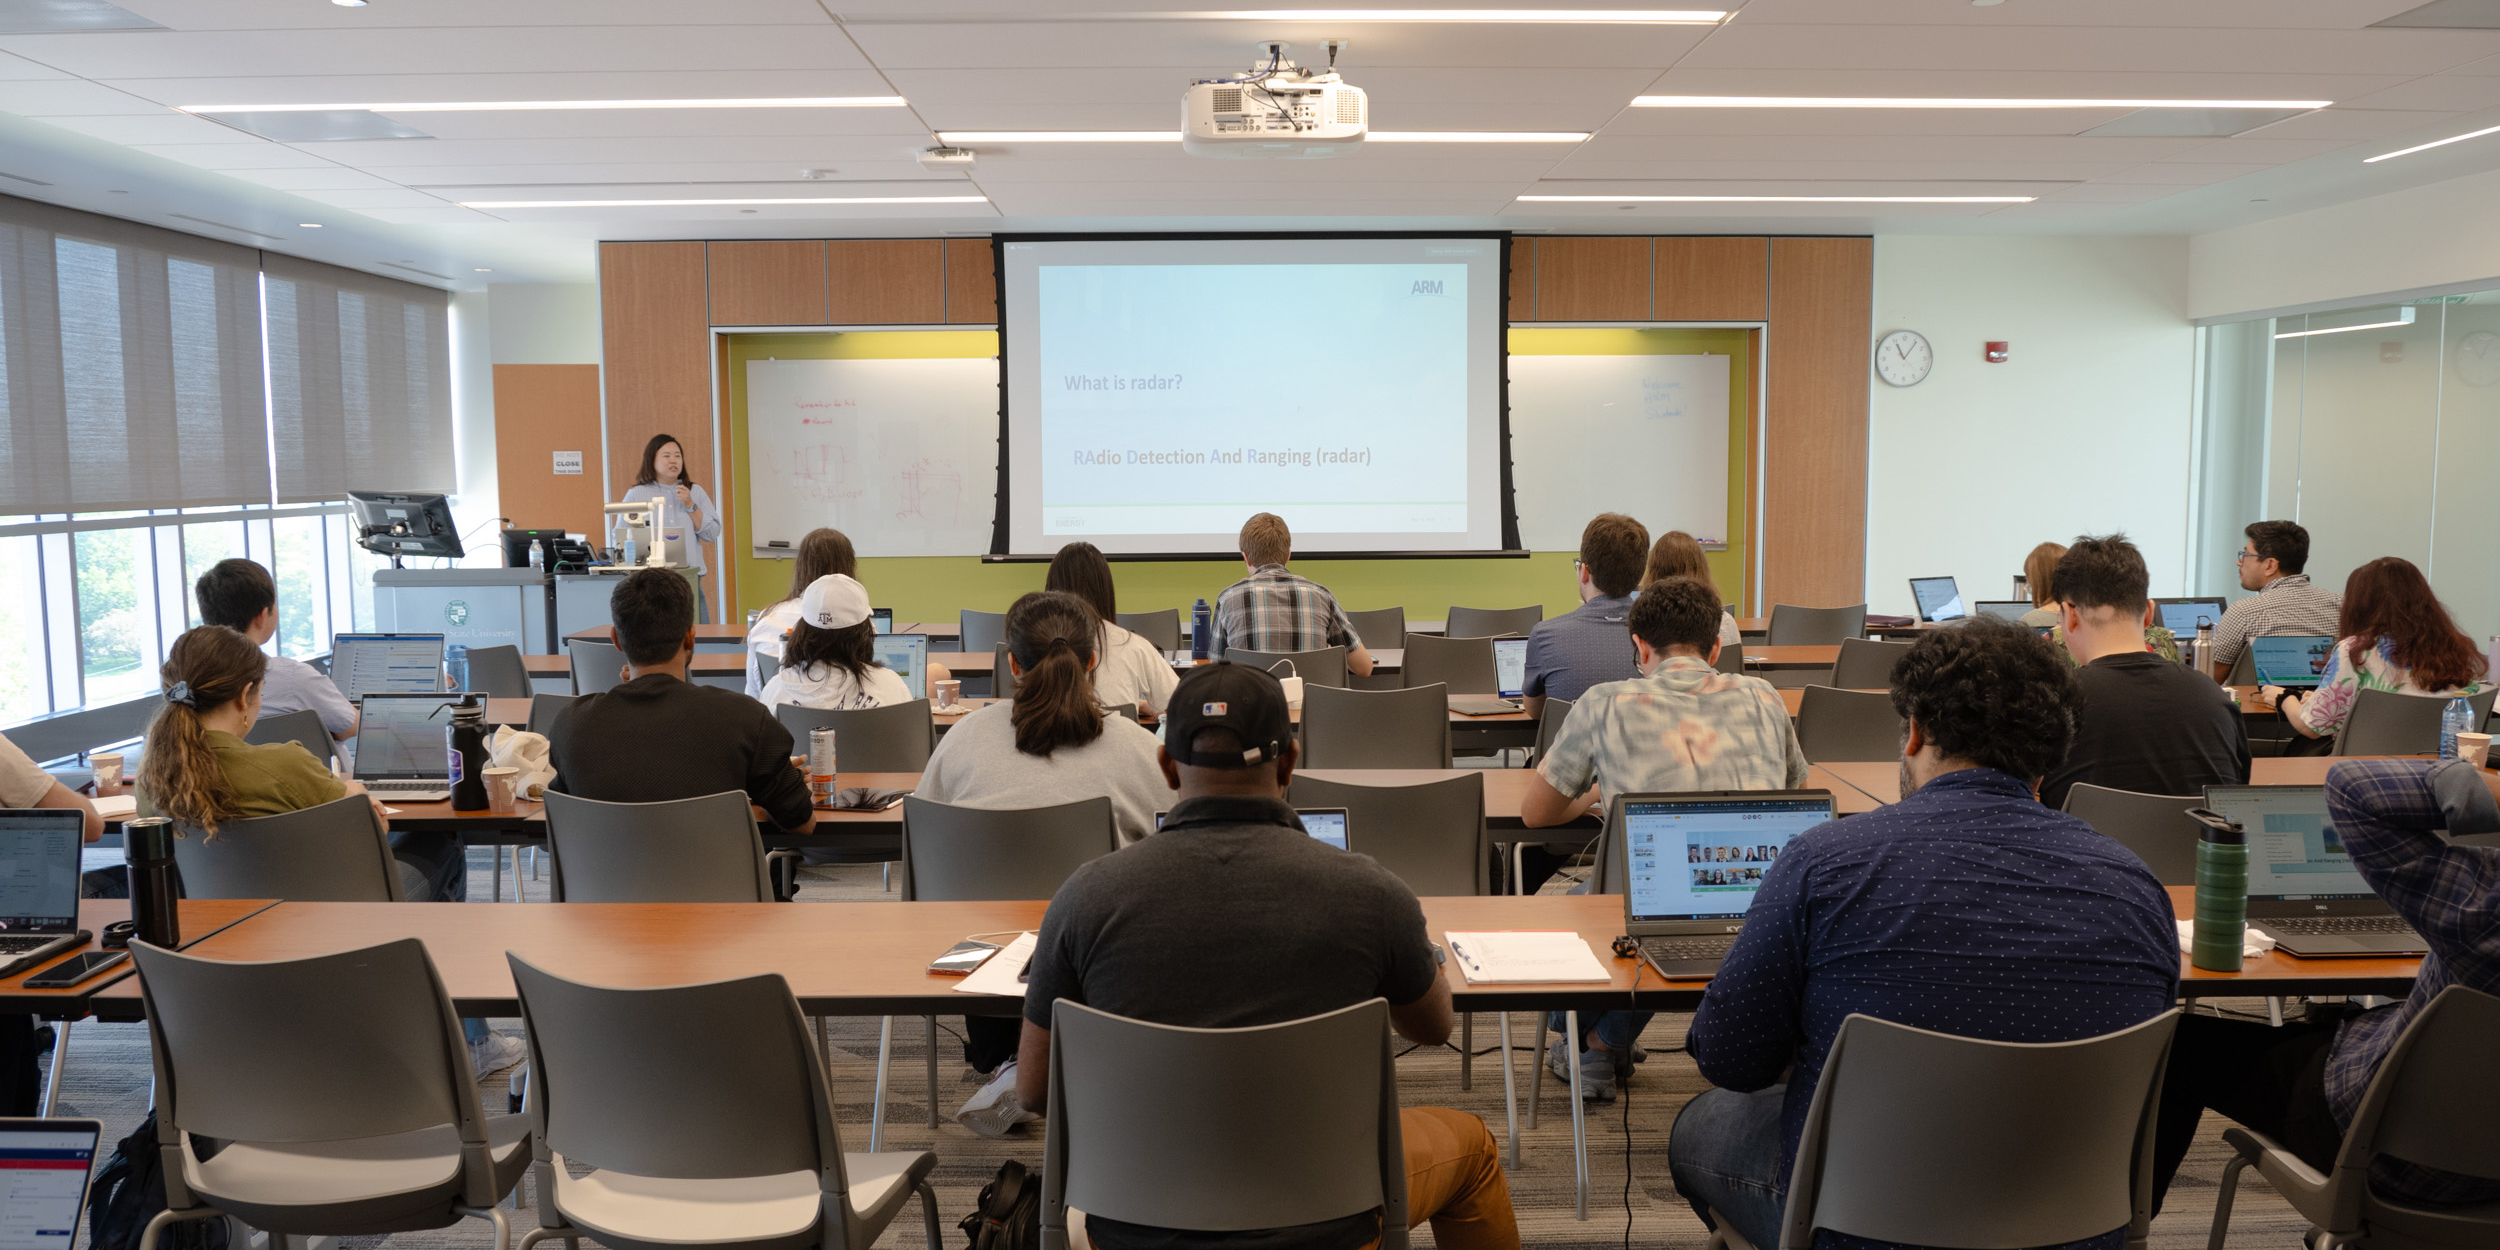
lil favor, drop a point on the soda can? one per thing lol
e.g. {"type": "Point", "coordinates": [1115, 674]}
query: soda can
{"type": "Point", "coordinates": [820, 765]}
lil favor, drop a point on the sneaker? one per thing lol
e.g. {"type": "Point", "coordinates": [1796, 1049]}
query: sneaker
{"type": "Point", "coordinates": [995, 1111]}
{"type": "Point", "coordinates": [495, 1052]}
{"type": "Point", "coordinates": [1639, 1055]}
{"type": "Point", "coordinates": [1597, 1071]}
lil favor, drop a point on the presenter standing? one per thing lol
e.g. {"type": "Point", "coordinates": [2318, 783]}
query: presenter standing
{"type": "Point", "coordinates": [663, 477]}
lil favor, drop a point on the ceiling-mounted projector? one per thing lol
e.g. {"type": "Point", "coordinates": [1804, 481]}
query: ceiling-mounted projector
{"type": "Point", "coordinates": [1276, 111]}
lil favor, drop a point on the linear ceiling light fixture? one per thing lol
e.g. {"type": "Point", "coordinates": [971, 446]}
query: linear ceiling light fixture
{"type": "Point", "coordinates": [524, 106]}
{"type": "Point", "coordinates": [1477, 136]}
{"type": "Point", "coordinates": [730, 203]}
{"type": "Point", "coordinates": [2380, 320]}
{"type": "Point", "coordinates": [1777, 199]}
{"type": "Point", "coordinates": [1173, 136]}
{"type": "Point", "coordinates": [1646, 17]}
{"type": "Point", "coordinates": [2435, 143]}
{"type": "Point", "coordinates": [1917, 102]}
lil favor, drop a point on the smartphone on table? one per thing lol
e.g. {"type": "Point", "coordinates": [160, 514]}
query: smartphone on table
{"type": "Point", "coordinates": [75, 969]}
{"type": "Point", "coordinates": [963, 958]}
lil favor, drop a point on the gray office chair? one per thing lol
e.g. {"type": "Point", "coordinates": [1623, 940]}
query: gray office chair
{"type": "Point", "coordinates": [980, 630]}
{"type": "Point", "coordinates": [1463, 664]}
{"type": "Point", "coordinates": [1377, 626]}
{"type": "Point", "coordinates": [700, 850]}
{"type": "Point", "coordinates": [303, 728]}
{"type": "Point", "coordinates": [703, 1118]}
{"type": "Point", "coordinates": [1430, 833]}
{"type": "Point", "coordinates": [1376, 728]}
{"type": "Point", "coordinates": [543, 709]}
{"type": "Point", "coordinates": [2433, 1103]}
{"type": "Point", "coordinates": [1163, 628]}
{"type": "Point", "coordinates": [767, 667]}
{"type": "Point", "coordinates": [338, 1088]}
{"type": "Point", "coordinates": [1549, 722]}
{"type": "Point", "coordinates": [1793, 626]}
{"type": "Point", "coordinates": [2154, 826]}
{"type": "Point", "coordinates": [1324, 667]}
{"type": "Point", "coordinates": [896, 738]}
{"type": "Point", "coordinates": [2388, 722]}
{"type": "Point", "coordinates": [1003, 680]}
{"type": "Point", "coordinates": [2243, 669]}
{"type": "Point", "coordinates": [335, 853]}
{"type": "Point", "coordinates": [1835, 725]}
{"type": "Point", "coordinates": [1492, 622]}
{"type": "Point", "coordinates": [1732, 658]}
{"type": "Point", "coordinates": [1310, 1107]}
{"type": "Point", "coordinates": [598, 667]}
{"type": "Point", "coordinates": [498, 673]}
{"type": "Point", "coordinates": [1866, 664]}
{"type": "Point", "coordinates": [1937, 1140]}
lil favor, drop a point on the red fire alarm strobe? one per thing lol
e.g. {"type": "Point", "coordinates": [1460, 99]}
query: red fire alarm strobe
{"type": "Point", "coordinates": [1997, 352]}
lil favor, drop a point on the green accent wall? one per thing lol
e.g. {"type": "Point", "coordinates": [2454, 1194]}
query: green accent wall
{"type": "Point", "coordinates": [936, 587]}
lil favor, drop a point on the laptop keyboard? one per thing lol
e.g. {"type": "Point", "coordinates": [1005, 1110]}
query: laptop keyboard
{"type": "Point", "coordinates": [407, 787]}
{"type": "Point", "coordinates": [2339, 926]}
{"type": "Point", "coordinates": [21, 945]}
{"type": "Point", "coordinates": [1675, 949]}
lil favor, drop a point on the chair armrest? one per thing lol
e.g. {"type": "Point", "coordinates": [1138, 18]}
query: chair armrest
{"type": "Point", "coordinates": [2310, 1191]}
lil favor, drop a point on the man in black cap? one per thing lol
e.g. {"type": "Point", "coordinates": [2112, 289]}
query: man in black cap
{"type": "Point", "coordinates": [1233, 916]}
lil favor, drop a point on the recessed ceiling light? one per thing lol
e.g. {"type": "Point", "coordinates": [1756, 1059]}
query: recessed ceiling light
{"type": "Point", "coordinates": [2435, 143]}
{"type": "Point", "coordinates": [1690, 17]}
{"type": "Point", "coordinates": [308, 225]}
{"type": "Point", "coordinates": [481, 271]}
{"type": "Point", "coordinates": [2359, 319]}
{"type": "Point", "coordinates": [349, 4]}
{"type": "Point", "coordinates": [732, 203]}
{"type": "Point", "coordinates": [1174, 136]}
{"type": "Point", "coordinates": [520, 106]}
{"type": "Point", "coordinates": [1779, 199]}
{"type": "Point", "coordinates": [1915, 102]}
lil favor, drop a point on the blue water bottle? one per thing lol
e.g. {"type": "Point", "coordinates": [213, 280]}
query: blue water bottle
{"type": "Point", "coordinates": [2458, 719]}
{"type": "Point", "coordinates": [456, 663]}
{"type": "Point", "coordinates": [1201, 631]}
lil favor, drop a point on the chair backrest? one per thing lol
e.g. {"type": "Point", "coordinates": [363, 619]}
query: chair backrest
{"type": "Point", "coordinates": [1835, 725]}
{"type": "Point", "coordinates": [1309, 1109]}
{"type": "Point", "coordinates": [1866, 664]}
{"type": "Point", "coordinates": [498, 673]}
{"type": "Point", "coordinates": [1549, 721]}
{"type": "Point", "coordinates": [1378, 625]}
{"type": "Point", "coordinates": [2389, 722]}
{"type": "Point", "coordinates": [699, 850]}
{"type": "Point", "coordinates": [1465, 665]}
{"type": "Point", "coordinates": [1003, 679]}
{"type": "Point", "coordinates": [1162, 628]}
{"type": "Point", "coordinates": [980, 630]}
{"type": "Point", "coordinates": [2432, 1101]}
{"type": "Point", "coordinates": [2154, 826]}
{"type": "Point", "coordinates": [598, 667]}
{"type": "Point", "coordinates": [1431, 834]}
{"type": "Point", "coordinates": [619, 1080]}
{"type": "Point", "coordinates": [335, 853]}
{"type": "Point", "coordinates": [896, 738]}
{"type": "Point", "coordinates": [969, 854]}
{"type": "Point", "coordinates": [1937, 1140]}
{"type": "Point", "coordinates": [1793, 626]}
{"type": "Point", "coordinates": [543, 709]}
{"type": "Point", "coordinates": [767, 667]}
{"type": "Point", "coordinates": [1731, 658]}
{"type": "Point", "coordinates": [1491, 622]}
{"type": "Point", "coordinates": [1407, 728]}
{"type": "Point", "coordinates": [1324, 667]}
{"type": "Point", "coordinates": [2243, 669]}
{"type": "Point", "coordinates": [303, 728]}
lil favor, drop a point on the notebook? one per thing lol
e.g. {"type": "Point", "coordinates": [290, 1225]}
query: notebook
{"type": "Point", "coordinates": [44, 1168]}
{"type": "Point", "coordinates": [1939, 599]}
{"type": "Point", "coordinates": [363, 664]}
{"type": "Point", "coordinates": [1693, 861]}
{"type": "Point", "coordinates": [908, 656]}
{"type": "Point", "coordinates": [2294, 661]}
{"type": "Point", "coordinates": [38, 887]}
{"type": "Point", "coordinates": [402, 751]}
{"type": "Point", "coordinates": [2302, 888]}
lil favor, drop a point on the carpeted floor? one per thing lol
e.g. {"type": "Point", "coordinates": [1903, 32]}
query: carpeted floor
{"type": "Point", "coordinates": [107, 1078]}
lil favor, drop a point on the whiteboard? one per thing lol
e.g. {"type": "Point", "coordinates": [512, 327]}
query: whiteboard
{"type": "Point", "coordinates": [901, 455]}
{"type": "Point", "coordinates": [1641, 435]}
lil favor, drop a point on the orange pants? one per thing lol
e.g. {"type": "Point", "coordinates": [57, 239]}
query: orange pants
{"type": "Point", "coordinates": [1454, 1179]}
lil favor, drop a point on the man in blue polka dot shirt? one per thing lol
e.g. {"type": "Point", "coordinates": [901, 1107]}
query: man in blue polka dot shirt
{"type": "Point", "coordinates": [1966, 908]}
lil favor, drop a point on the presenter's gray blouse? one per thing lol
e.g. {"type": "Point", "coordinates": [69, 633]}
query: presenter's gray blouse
{"type": "Point", "coordinates": [710, 533]}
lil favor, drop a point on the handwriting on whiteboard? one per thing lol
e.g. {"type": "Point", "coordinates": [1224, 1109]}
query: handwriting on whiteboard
{"type": "Point", "coordinates": [901, 455]}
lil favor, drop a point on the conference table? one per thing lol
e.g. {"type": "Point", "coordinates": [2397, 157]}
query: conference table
{"type": "Point", "coordinates": [1880, 781]}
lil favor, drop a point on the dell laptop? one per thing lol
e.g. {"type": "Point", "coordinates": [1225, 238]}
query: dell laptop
{"type": "Point", "coordinates": [881, 620]}
{"type": "Point", "coordinates": [44, 1170]}
{"type": "Point", "coordinates": [2182, 616]}
{"type": "Point", "coordinates": [2003, 609]}
{"type": "Point", "coordinates": [908, 656]}
{"type": "Point", "coordinates": [363, 664]}
{"type": "Point", "coordinates": [1693, 861]}
{"type": "Point", "coordinates": [1939, 599]}
{"type": "Point", "coordinates": [1510, 677]}
{"type": "Point", "coordinates": [402, 752]}
{"type": "Point", "coordinates": [1327, 824]}
{"type": "Point", "coordinates": [38, 886]}
{"type": "Point", "coordinates": [2292, 661]}
{"type": "Point", "coordinates": [2302, 888]}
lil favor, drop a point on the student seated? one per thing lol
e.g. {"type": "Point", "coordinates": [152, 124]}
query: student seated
{"type": "Point", "coordinates": [1128, 670]}
{"type": "Point", "coordinates": [241, 596]}
{"type": "Point", "coordinates": [830, 659]}
{"type": "Point", "coordinates": [2394, 634]}
{"type": "Point", "coordinates": [1233, 917]}
{"type": "Point", "coordinates": [659, 736]}
{"type": "Point", "coordinates": [1901, 914]}
{"type": "Point", "coordinates": [1273, 610]}
{"type": "Point", "coordinates": [2301, 1083]}
{"type": "Point", "coordinates": [823, 553]}
{"type": "Point", "coordinates": [2143, 723]}
{"type": "Point", "coordinates": [1591, 644]}
{"type": "Point", "coordinates": [2039, 571]}
{"type": "Point", "coordinates": [2285, 603]}
{"type": "Point", "coordinates": [1679, 554]}
{"type": "Point", "coordinates": [24, 783]}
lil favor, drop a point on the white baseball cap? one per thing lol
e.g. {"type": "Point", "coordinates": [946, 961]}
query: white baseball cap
{"type": "Point", "coordinates": [834, 602]}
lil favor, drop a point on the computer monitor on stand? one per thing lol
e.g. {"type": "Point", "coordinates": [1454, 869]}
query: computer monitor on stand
{"type": "Point", "coordinates": [517, 544]}
{"type": "Point", "coordinates": [399, 525]}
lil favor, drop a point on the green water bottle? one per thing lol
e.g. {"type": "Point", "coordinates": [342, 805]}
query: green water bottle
{"type": "Point", "coordinates": [2221, 892]}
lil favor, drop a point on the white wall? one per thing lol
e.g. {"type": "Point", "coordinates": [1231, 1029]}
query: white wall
{"type": "Point", "coordinates": [2438, 235]}
{"type": "Point", "coordinates": [2084, 430]}
{"type": "Point", "coordinates": [545, 325]}
{"type": "Point", "coordinates": [479, 500]}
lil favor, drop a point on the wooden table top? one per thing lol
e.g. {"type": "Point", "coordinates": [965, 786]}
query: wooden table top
{"type": "Point", "coordinates": [200, 917]}
{"type": "Point", "coordinates": [1882, 780]}
{"type": "Point", "coordinates": [1791, 657]}
{"type": "Point", "coordinates": [704, 664]}
{"type": "Point", "coordinates": [1384, 660]}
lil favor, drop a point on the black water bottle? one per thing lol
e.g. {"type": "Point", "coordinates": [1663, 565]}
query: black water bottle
{"type": "Point", "coordinates": [467, 745]}
{"type": "Point", "coordinates": [148, 850]}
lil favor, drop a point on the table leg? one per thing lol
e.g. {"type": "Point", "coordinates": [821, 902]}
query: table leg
{"type": "Point", "coordinates": [1510, 1094]}
{"type": "Point", "coordinates": [1536, 1070]}
{"type": "Point", "coordinates": [497, 895]}
{"type": "Point", "coordinates": [60, 1059]}
{"type": "Point", "coordinates": [876, 1110]}
{"type": "Point", "coordinates": [932, 1071]}
{"type": "Point", "coordinates": [1467, 1050]}
{"type": "Point", "coordinates": [1579, 1119]}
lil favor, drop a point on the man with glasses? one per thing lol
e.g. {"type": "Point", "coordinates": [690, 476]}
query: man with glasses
{"type": "Point", "coordinates": [2270, 564]}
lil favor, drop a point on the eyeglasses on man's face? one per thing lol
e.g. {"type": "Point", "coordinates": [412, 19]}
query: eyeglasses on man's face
{"type": "Point", "coordinates": [2246, 556]}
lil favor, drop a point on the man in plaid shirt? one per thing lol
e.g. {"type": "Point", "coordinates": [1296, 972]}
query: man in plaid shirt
{"type": "Point", "coordinates": [2300, 1084]}
{"type": "Point", "coordinates": [1273, 610]}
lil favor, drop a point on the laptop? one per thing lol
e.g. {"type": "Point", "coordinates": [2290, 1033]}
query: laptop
{"type": "Point", "coordinates": [2302, 888]}
{"type": "Point", "coordinates": [908, 656]}
{"type": "Point", "coordinates": [1693, 861]}
{"type": "Point", "coordinates": [2003, 609]}
{"type": "Point", "coordinates": [38, 888]}
{"type": "Point", "coordinates": [44, 1169]}
{"type": "Point", "coordinates": [401, 751]}
{"type": "Point", "coordinates": [1324, 823]}
{"type": "Point", "coordinates": [2181, 616]}
{"type": "Point", "coordinates": [1510, 677]}
{"type": "Point", "coordinates": [363, 664]}
{"type": "Point", "coordinates": [1939, 599]}
{"type": "Point", "coordinates": [2293, 661]}
{"type": "Point", "coordinates": [881, 619]}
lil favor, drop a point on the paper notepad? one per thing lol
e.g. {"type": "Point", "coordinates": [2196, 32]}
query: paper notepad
{"type": "Point", "coordinates": [117, 806]}
{"type": "Point", "coordinates": [998, 973]}
{"type": "Point", "coordinates": [1517, 958]}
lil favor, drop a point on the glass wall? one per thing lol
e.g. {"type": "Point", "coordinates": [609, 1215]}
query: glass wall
{"type": "Point", "coordinates": [2377, 427]}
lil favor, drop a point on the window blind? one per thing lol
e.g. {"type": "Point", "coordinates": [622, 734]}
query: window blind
{"type": "Point", "coordinates": [360, 381]}
{"type": "Point", "coordinates": [130, 372]}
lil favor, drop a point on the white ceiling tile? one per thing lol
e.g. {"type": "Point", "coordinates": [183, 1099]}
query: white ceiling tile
{"type": "Point", "coordinates": [377, 88]}
{"type": "Point", "coordinates": [1304, 193]}
{"type": "Point", "coordinates": [654, 173]}
{"type": "Point", "coordinates": [373, 197]}
{"type": "Point", "coordinates": [2201, 51]}
{"type": "Point", "coordinates": [2266, 151]}
{"type": "Point", "coordinates": [1204, 49]}
{"type": "Point", "coordinates": [322, 178]}
{"type": "Point", "coordinates": [2443, 93]}
{"type": "Point", "coordinates": [514, 49]}
{"type": "Point", "coordinates": [19, 69]}
{"type": "Point", "coordinates": [444, 216]}
{"type": "Point", "coordinates": [2059, 123]}
{"type": "Point", "coordinates": [669, 124]}
{"type": "Point", "coordinates": [1853, 184]}
{"type": "Point", "coordinates": [69, 98]}
{"type": "Point", "coordinates": [505, 191]}
{"type": "Point", "coordinates": [2350, 123]}
{"type": "Point", "coordinates": [2235, 14]}
{"type": "Point", "coordinates": [254, 155]}
{"type": "Point", "coordinates": [2111, 193]}
{"type": "Point", "coordinates": [162, 126]}
{"type": "Point", "coordinates": [2050, 171]}
{"type": "Point", "coordinates": [1982, 80]}
{"type": "Point", "coordinates": [1644, 218]}
{"type": "Point", "coordinates": [832, 214]}
{"type": "Point", "coordinates": [1035, 203]}
{"type": "Point", "coordinates": [2182, 174]}
{"type": "Point", "coordinates": [794, 151]}
{"type": "Point", "coordinates": [1358, 168]}
{"type": "Point", "coordinates": [1970, 148]}
{"type": "Point", "coordinates": [296, 15]}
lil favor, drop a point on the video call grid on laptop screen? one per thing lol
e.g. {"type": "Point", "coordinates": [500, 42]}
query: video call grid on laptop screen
{"type": "Point", "coordinates": [908, 656]}
{"type": "Point", "coordinates": [1697, 859]}
{"type": "Point", "coordinates": [44, 1166]}
{"type": "Point", "coordinates": [39, 870]}
{"type": "Point", "coordinates": [1939, 598]}
{"type": "Point", "coordinates": [2292, 851]}
{"type": "Point", "coordinates": [401, 737]}
{"type": "Point", "coordinates": [2181, 618]}
{"type": "Point", "coordinates": [1510, 666]}
{"type": "Point", "coordinates": [2290, 659]}
{"type": "Point", "coordinates": [363, 664]}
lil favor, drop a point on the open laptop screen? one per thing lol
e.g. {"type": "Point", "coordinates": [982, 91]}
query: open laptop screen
{"type": "Point", "coordinates": [2290, 659]}
{"type": "Point", "coordinates": [2292, 851]}
{"type": "Point", "coordinates": [1703, 858]}
{"type": "Point", "coordinates": [908, 656]}
{"type": "Point", "coordinates": [1510, 666]}
{"type": "Point", "coordinates": [2003, 609]}
{"type": "Point", "coordinates": [883, 619]}
{"type": "Point", "coordinates": [1939, 598]}
{"type": "Point", "coordinates": [363, 664]}
{"type": "Point", "coordinates": [2180, 616]}
{"type": "Point", "coordinates": [401, 738]}
{"type": "Point", "coordinates": [39, 871]}
{"type": "Point", "coordinates": [1324, 823]}
{"type": "Point", "coordinates": [44, 1166]}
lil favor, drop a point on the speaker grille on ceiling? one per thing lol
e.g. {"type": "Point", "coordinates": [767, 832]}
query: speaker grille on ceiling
{"type": "Point", "coordinates": [1350, 106]}
{"type": "Point", "coordinates": [1227, 100]}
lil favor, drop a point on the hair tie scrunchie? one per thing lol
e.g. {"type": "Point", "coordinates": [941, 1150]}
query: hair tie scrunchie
{"type": "Point", "coordinates": [181, 693]}
{"type": "Point", "coordinates": [1057, 644]}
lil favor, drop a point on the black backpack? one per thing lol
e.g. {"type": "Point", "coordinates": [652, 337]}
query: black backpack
{"type": "Point", "coordinates": [130, 1190]}
{"type": "Point", "coordinates": [1009, 1214]}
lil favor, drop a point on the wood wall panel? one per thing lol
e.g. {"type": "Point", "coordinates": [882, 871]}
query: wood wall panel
{"type": "Point", "coordinates": [971, 282]}
{"type": "Point", "coordinates": [1821, 311]}
{"type": "Point", "coordinates": [1522, 280]}
{"type": "Point", "coordinates": [886, 282]}
{"type": "Point", "coordinates": [1705, 279]}
{"type": "Point", "coordinates": [1585, 278]}
{"type": "Point", "coordinates": [657, 339]}
{"type": "Point", "coordinates": [767, 282]}
{"type": "Point", "coordinates": [539, 411]}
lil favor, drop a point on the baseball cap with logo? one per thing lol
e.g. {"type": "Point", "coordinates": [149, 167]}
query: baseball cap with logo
{"type": "Point", "coordinates": [833, 602]}
{"type": "Point", "coordinates": [1230, 696]}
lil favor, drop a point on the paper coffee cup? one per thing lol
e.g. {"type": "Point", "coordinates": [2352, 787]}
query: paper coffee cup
{"type": "Point", "coordinates": [502, 790]}
{"type": "Point", "coordinates": [107, 766]}
{"type": "Point", "coordinates": [947, 693]}
{"type": "Point", "coordinates": [2474, 748]}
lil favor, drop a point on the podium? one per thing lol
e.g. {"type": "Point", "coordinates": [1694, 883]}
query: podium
{"type": "Point", "coordinates": [469, 607]}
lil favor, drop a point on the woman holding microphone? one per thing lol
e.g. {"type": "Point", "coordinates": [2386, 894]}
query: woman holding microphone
{"type": "Point", "coordinates": [663, 478]}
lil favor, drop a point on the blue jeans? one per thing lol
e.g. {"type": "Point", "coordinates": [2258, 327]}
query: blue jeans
{"type": "Point", "coordinates": [1724, 1154]}
{"type": "Point", "coordinates": [1618, 1029]}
